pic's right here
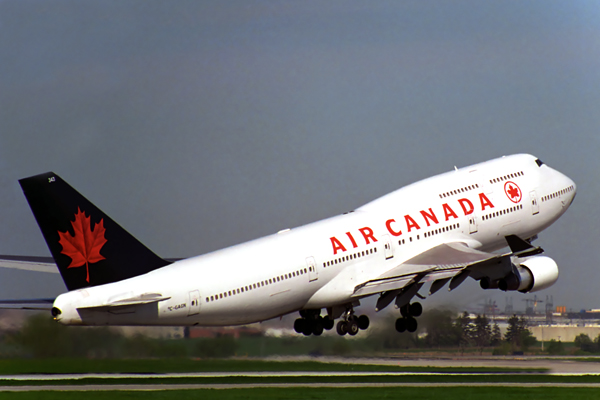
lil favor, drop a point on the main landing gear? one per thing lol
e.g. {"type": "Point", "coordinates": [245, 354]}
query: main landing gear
{"type": "Point", "coordinates": [408, 322]}
{"type": "Point", "coordinates": [352, 324]}
{"type": "Point", "coordinates": [311, 323]}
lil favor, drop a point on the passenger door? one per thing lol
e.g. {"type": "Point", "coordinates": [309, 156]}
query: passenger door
{"type": "Point", "coordinates": [535, 207]}
{"type": "Point", "coordinates": [194, 302]}
{"type": "Point", "coordinates": [311, 265]}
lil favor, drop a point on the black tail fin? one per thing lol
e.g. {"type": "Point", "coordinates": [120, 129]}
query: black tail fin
{"type": "Point", "coordinates": [89, 248]}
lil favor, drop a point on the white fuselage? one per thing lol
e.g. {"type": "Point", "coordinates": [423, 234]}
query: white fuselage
{"type": "Point", "coordinates": [319, 265]}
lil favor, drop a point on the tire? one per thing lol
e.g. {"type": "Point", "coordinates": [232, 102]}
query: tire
{"type": "Point", "coordinates": [341, 328]}
{"type": "Point", "coordinates": [308, 327]}
{"type": "Point", "coordinates": [363, 322]}
{"type": "Point", "coordinates": [352, 327]}
{"type": "Point", "coordinates": [318, 328]}
{"type": "Point", "coordinates": [299, 325]}
{"type": "Point", "coordinates": [416, 309]}
{"type": "Point", "coordinates": [401, 325]}
{"type": "Point", "coordinates": [328, 323]}
{"type": "Point", "coordinates": [411, 324]}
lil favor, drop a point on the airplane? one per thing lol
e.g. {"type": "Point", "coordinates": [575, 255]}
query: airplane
{"type": "Point", "coordinates": [438, 231]}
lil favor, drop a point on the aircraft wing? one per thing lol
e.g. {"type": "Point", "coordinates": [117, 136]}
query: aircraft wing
{"type": "Point", "coordinates": [441, 262]}
{"type": "Point", "coordinates": [446, 262]}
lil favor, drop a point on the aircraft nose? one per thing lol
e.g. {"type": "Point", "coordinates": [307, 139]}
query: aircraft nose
{"type": "Point", "coordinates": [571, 191]}
{"type": "Point", "coordinates": [574, 192]}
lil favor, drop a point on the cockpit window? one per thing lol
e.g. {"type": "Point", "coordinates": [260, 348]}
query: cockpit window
{"type": "Point", "coordinates": [539, 162]}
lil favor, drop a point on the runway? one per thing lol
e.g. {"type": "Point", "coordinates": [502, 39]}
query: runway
{"type": "Point", "coordinates": [554, 365]}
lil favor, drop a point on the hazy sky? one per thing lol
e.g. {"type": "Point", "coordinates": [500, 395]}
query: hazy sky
{"type": "Point", "coordinates": [199, 125]}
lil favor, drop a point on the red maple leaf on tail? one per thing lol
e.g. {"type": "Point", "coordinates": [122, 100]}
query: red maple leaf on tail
{"type": "Point", "coordinates": [85, 246]}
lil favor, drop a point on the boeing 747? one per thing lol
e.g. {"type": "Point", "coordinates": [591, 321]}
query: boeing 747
{"type": "Point", "coordinates": [436, 232]}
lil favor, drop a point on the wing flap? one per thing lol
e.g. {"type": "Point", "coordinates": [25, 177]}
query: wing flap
{"type": "Point", "coordinates": [442, 262]}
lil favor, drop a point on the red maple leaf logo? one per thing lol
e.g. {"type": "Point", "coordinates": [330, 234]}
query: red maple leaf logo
{"type": "Point", "coordinates": [85, 246]}
{"type": "Point", "coordinates": [512, 191]}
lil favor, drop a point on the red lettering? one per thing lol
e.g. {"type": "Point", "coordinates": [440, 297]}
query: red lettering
{"type": "Point", "coordinates": [410, 223]}
{"type": "Point", "coordinates": [388, 225]}
{"type": "Point", "coordinates": [352, 239]}
{"type": "Point", "coordinates": [367, 234]}
{"type": "Point", "coordinates": [427, 216]}
{"type": "Point", "coordinates": [485, 202]}
{"type": "Point", "coordinates": [337, 245]}
{"type": "Point", "coordinates": [467, 202]}
{"type": "Point", "coordinates": [448, 212]}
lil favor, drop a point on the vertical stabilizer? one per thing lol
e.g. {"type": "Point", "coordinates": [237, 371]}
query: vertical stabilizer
{"type": "Point", "coordinates": [88, 247]}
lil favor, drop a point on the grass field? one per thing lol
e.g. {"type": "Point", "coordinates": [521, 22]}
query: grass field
{"type": "Point", "coordinates": [462, 393]}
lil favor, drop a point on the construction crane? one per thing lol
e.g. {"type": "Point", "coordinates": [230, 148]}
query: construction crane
{"type": "Point", "coordinates": [531, 305]}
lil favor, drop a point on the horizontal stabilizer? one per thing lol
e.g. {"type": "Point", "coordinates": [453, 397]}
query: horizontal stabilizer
{"type": "Point", "coordinates": [145, 298]}
{"type": "Point", "coordinates": [37, 264]}
{"type": "Point", "coordinates": [27, 301]}
{"type": "Point", "coordinates": [19, 304]}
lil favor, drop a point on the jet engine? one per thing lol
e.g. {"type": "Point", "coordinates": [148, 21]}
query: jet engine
{"type": "Point", "coordinates": [530, 275]}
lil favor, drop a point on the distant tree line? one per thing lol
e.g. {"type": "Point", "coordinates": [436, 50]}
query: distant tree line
{"type": "Point", "coordinates": [41, 337]}
{"type": "Point", "coordinates": [586, 344]}
{"type": "Point", "coordinates": [466, 332]}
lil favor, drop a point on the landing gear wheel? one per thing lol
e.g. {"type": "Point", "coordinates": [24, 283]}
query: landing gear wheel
{"type": "Point", "coordinates": [299, 325]}
{"type": "Point", "coordinates": [341, 328]}
{"type": "Point", "coordinates": [415, 309]}
{"type": "Point", "coordinates": [363, 322]}
{"type": "Point", "coordinates": [401, 325]}
{"type": "Point", "coordinates": [352, 327]}
{"type": "Point", "coordinates": [308, 327]}
{"type": "Point", "coordinates": [328, 323]}
{"type": "Point", "coordinates": [411, 324]}
{"type": "Point", "coordinates": [317, 328]}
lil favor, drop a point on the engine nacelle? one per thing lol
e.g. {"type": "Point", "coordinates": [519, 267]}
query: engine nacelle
{"type": "Point", "coordinates": [530, 275]}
